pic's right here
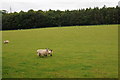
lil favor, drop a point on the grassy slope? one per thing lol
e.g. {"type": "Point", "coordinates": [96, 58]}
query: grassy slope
{"type": "Point", "coordinates": [81, 52]}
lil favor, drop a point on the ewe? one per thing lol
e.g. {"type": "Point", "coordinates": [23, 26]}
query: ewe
{"type": "Point", "coordinates": [6, 41]}
{"type": "Point", "coordinates": [44, 52]}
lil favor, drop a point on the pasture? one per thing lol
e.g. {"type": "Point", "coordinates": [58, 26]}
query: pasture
{"type": "Point", "coordinates": [78, 52]}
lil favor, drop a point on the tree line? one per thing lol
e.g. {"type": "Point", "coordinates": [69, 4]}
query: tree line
{"type": "Point", "coordinates": [58, 18]}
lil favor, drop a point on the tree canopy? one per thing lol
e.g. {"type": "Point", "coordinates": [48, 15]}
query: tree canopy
{"type": "Point", "coordinates": [58, 18]}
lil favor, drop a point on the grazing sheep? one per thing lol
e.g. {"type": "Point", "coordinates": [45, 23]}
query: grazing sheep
{"type": "Point", "coordinates": [44, 52]}
{"type": "Point", "coordinates": [6, 41]}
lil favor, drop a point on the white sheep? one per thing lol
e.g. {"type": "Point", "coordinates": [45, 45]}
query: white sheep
{"type": "Point", "coordinates": [6, 41]}
{"type": "Point", "coordinates": [44, 52]}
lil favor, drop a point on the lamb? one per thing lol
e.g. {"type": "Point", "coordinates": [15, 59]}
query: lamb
{"type": "Point", "coordinates": [44, 52]}
{"type": "Point", "coordinates": [6, 41]}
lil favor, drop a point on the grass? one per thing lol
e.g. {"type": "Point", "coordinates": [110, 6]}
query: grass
{"type": "Point", "coordinates": [79, 52]}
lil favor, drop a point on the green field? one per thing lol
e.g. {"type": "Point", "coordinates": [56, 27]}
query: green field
{"type": "Point", "coordinates": [79, 52]}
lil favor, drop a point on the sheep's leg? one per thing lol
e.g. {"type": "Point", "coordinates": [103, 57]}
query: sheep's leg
{"type": "Point", "coordinates": [45, 54]}
{"type": "Point", "coordinates": [39, 54]}
{"type": "Point", "coordinates": [50, 54]}
{"type": "Point", "coordinates": [42, 55]}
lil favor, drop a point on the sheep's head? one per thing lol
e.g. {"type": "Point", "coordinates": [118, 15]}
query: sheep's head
{"type": "Point", "coordinates": [50, 51]}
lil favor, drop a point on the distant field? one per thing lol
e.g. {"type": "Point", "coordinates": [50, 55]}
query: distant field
{"type": "Point", "coordinates": [79, 52]}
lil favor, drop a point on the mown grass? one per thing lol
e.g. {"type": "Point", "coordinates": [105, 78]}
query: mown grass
{"type": "Point", "coordinates": [79, 52]}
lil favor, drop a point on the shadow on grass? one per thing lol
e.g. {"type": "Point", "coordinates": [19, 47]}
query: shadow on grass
{"type": "Point", "coordinates": [42, 57]}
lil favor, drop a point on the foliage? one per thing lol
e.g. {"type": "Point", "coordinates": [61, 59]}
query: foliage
{"type": "Point", "coordinates": [53, 18]}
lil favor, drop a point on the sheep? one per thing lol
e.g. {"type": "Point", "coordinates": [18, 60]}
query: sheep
{"type": "Point", "coordinates": [44, 52]}
{"type": "Point", "coordinates": [6, 41]}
